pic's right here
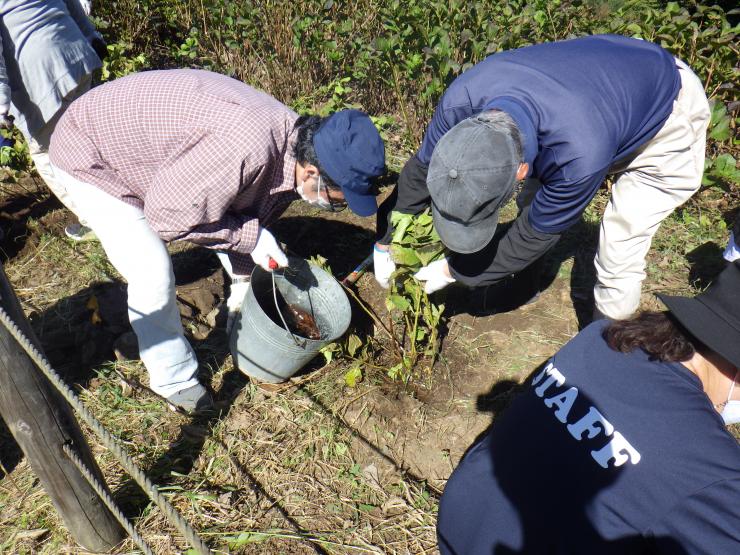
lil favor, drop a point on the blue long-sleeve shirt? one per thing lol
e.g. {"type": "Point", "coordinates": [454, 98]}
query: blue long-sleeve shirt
{"type": "Point", "coordinates": [581, 105]}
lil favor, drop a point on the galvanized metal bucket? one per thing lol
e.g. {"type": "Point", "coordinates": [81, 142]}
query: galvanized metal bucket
{"type": "Point", "coordinates": [261, 345]}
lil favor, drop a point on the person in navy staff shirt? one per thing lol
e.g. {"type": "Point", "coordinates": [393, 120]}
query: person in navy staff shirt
{"type": "Point", "coordinates": [619, 444]}
{"type": "Point", "coordinates": [561, 116]}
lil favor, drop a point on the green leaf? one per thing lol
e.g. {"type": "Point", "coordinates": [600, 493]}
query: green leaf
{"type": "Point", "coordinates": [427, 255]}
{"type": "Point", "coordinates": [400, 223]}
{"type": "Point", "coordinates": [353, 376]}
{"type": "Point", "coordinates": [397, 301]}
{"type": "Point", "coordinates": [425, 219]}
{"type": "Point", "coordinates": [245, 538]}
{"type": "Point", "coordinates": [328, 352]}
{"type": "Point", "coordinates": [405, 256]}
{"type": "Point", "coordinates": [719, 123]}
{"type": "Point", "coordinates": [353, 343]}
{"type": "Point", "coordinates": [725, 165]}
{"type": "Point", "coordinates": [394, 371]}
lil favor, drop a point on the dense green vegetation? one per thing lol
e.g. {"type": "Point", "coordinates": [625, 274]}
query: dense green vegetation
{"type": "Point", "coordinates": [393, 57]}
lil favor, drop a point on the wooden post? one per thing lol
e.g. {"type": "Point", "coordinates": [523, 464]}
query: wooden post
{"type": "Point", "coordinates": [41, 421]}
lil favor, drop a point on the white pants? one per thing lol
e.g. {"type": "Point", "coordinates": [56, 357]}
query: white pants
{"type": "Point", "coordinates": [660, 177]}
{"type": "Point", "coordinates": [141, 257]}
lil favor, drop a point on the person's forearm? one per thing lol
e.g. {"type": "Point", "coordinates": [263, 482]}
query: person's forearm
{"type": "Point", "coordinates": [82, 20]}
{"type": "Point", "coordinates": [518, 248]}
{"type": "Point", "coordinates": [410, 196]}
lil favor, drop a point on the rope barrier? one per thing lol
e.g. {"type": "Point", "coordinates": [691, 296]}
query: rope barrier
{"type": "Point", "coordinates": [107, 499]}
{"type": "Point", "coordinates": [109, 442]}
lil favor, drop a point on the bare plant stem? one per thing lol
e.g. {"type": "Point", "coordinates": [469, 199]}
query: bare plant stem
{"type": "Point", "coordinates": [402, 104]}
{"type": "Point", "coordinates": [370, 312]}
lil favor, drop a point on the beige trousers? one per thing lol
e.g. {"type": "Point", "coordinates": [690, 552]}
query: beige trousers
{"type": "Point", "coordinates": [663, 174]}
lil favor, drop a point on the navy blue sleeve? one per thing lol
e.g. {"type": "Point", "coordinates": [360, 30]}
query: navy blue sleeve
{"type": "Point", "coordinates": [518, 248]}
{"type": "Point", "coordinates": [559, 204]}
{"type": "Point", "coordinates": [706, 522]}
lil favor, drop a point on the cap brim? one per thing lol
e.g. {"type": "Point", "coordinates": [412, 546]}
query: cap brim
{"type": "Point", "coordinates": [361, 204]}
{"type": "Point", "coordinates": [706, 325]}
{"type": "Point", "coordinates": [464, 238]}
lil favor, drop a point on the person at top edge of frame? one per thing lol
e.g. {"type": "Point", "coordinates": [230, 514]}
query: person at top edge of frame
{"type": "Point", "coordinates": [560, 117]}
{"type": "Point", "coordinates": [193, 155]}
{"type": "Point", "coordinates": [617, 446]}
{"type": "Point", "coordinates": [49, 50]}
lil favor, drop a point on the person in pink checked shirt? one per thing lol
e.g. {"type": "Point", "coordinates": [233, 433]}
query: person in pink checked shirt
{"type": "Point", "coordinates": [193, 155]}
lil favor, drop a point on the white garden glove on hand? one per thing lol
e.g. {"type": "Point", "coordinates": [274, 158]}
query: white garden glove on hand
{"type": "Point", "coordinates": [267, 248]}
{"type": "Point", "coordinates": [6, 120]}
{"type": "Point", "coordinates": [238, 291]}
{"type": "Point", "coordinates": [383, 266]}
{"type": "Point", "coordinates": [436, 275]}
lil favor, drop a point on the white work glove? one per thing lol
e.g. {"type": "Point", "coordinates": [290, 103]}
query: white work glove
{"type": "Point", "coordinates": [267, 248]}
{"type": "Point", "coordinates": [732, 252]}
{"type": "Point", "coordinates": [234, 303]}
{"type": "Point", "coordinates": [436, 275]}
{"type": "Point", "coordinates": [383, 266]}
{"type": "Point", "coordinates": [6, 120]}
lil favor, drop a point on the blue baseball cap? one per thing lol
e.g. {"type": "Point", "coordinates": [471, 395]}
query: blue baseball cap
{"type": "Point", "coordinates": [351, 152]}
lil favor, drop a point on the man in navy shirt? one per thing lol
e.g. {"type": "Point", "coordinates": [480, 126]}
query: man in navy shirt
{"type": "Point", "coordinates": [563, 116]}
{"type": "Point", "coordinates": [617, 446]}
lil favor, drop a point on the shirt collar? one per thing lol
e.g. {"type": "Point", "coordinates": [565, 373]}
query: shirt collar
{"type": "Point", "coordinates": [524, 122]}
{"type": "Point", "coordinates": [289, 162]}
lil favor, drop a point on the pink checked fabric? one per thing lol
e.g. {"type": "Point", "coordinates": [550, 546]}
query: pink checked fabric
{"type": "Point", "coordinates": [206, 157]}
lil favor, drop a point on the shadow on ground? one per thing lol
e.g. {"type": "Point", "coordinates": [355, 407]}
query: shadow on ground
{"type": "Point", "coordinates": [24, 202]}
{"type": "Point", "coordinates": [579, 243]}
{"type": "Point", "coordinates": [344, 245]}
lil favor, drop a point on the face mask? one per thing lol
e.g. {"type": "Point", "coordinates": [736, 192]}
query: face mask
{"type": "Point", "coordinates": [319, 201]}
{"type": "Point", "coordinates": [731, 411]}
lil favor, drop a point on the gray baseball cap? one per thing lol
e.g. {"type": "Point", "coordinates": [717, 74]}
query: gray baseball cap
{"type": "Point", "coordinates": [471, 175]}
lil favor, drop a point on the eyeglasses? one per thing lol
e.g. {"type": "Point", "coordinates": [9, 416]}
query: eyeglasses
{"type": "Point", "coordinates": [333, 205]}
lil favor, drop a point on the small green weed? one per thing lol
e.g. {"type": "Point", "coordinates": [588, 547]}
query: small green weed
{"type": "Point", "coordinates": [414, 244]}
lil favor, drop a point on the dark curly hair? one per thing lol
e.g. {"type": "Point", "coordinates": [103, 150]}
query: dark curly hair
{"type": "Point", "coordinates": [303, 149]}
{"type": "Point", "coordinates": [659, 334]}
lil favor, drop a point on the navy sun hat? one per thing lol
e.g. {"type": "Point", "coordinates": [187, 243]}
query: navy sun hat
{"type": "Point", "coordinates": [713, 317]}
{"type": "Point", "coordinates": [351, 152]}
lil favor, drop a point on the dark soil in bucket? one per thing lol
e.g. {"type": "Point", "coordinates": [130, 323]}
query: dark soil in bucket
{"type": "Point", "coordinates": [300, 322]}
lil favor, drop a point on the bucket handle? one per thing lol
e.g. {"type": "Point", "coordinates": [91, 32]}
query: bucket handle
{"type": "Point", "coordinates": [298, 342]}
